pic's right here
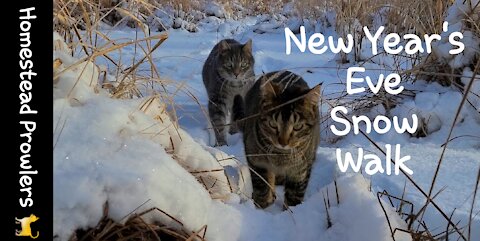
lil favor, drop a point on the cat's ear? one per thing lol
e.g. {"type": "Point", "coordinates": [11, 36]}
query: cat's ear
{"type": "Point", "coordinates": [269, 89]}
{"type": "Point", "coordinates": [313, 95]}
{"type": "Point", "coordinates": [247, 47]}
{"type": "Point", "coordinates": [223, 46]}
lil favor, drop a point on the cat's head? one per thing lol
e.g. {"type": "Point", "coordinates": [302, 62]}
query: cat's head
{"type": "Point", "coordinates": [33, 218]}
{"type": "Point", "coordinates": [235, 61]}
{"type": "Point", "coordinates": [289, 125]}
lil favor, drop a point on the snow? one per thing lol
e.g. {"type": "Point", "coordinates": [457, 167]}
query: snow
{"type": "Point", "coordinates": [127, 163]}
{"type": "Point", "coordinates": [458, 17]}
{"type": "Point", "coordinates": [128, 152]}
{"type": "Point", "coordinates": [215, 9]}
{"type": "Point", "coordinates": [111, 151]}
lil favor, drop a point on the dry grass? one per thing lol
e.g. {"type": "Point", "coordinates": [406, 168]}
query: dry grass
{"type": "Point", "coordinates": [421, 231]}
{"type": "Point", "coordinates": [399, 16]}
{"type": "Point", "coordinates": [419, 17]}
{"type": "Point", "coordinates": [419, 217]}
{"type": "Point", "coordinates": [136, 228]}
{"type": "Point", "coordinates": [433, 67]}
{"type": "Point", "coordinates": [79, 22]}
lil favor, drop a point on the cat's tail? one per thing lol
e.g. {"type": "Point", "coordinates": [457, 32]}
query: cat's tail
{"type": "Point", "coordinates": [34, 237]}
{"type": "Point", "coordinates": [238, 111]}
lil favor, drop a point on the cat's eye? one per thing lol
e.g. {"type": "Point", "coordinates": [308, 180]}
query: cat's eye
{"type": "Point", "coordinates": [228, 65]}
{"type": "Point", "coordinates": [243, 65]}
{"type": "Point", "coordinates": [298, 126]}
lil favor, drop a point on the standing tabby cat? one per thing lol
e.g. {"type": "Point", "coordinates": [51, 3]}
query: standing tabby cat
{"type": "Point", "coordinates": [280, 133]}
{"type": "Point", "coordinates": [227, 72]}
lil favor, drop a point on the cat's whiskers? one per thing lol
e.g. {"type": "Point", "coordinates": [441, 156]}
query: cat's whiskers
{"type": "Point", "coordinates": [223, 84]}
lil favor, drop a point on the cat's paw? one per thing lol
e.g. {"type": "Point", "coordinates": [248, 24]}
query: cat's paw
{"type": "Point", "coordinates": [233, 128]}
{"type": "Point", "coordinates": [220, 143]}
{"type": "Point", "coordinates": [264, 201]}
{"type": "Point", "coordinates": [292, 200]}
{"type": "Point", "coordinates": [233, 131]}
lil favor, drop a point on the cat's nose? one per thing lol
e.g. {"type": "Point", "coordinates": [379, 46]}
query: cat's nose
{"type": "Point", "coordinates": [283, 140]}
{"type": "Point", "coordinates": [236, 72]}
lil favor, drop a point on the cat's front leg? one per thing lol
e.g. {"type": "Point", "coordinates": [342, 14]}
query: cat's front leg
{"type": "Point", "coordinates": [233, 126]}
{"type": "Point", "coordinates": [217, 113]}
{"type": "Point", "coordinates": [295, 185]}
{"type": "Point", "coordinates": [238, 113]}
{"type": "Point", "coordinates": [263, 181]}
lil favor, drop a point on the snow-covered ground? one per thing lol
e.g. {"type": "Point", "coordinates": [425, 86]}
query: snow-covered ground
{"type": "Point", "coordinates": [462, 159]}
{"type": "Point", "coordinates": [109, 150]}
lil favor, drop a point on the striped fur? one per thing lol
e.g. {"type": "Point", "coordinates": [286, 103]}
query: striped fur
{"type": "Point", "coordinates": [227, 72]}
{"type": "Point", "coordinates": [280, 138]}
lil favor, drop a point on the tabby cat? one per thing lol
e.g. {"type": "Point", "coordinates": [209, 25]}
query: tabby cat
{"type": "Point", "coordinates": [279, 119]}
{"type": "Point", "coordinates": [227, 72]}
